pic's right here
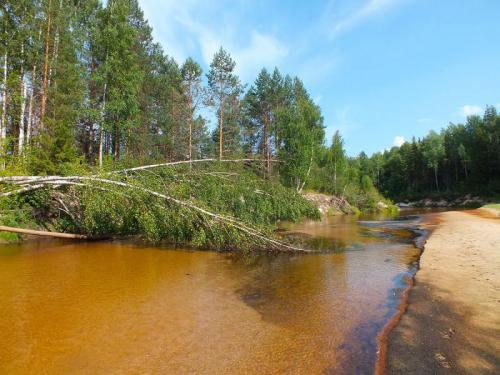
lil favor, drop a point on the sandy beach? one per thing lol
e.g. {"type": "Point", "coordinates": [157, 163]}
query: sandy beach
{"type": "Point", "coordinates": [452, 324]}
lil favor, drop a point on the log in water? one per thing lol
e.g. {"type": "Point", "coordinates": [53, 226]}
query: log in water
{"type": "Point", "coordinates": [108, 307]}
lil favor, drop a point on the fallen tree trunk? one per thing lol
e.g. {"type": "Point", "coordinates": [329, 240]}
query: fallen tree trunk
{"type": "Point", "coordinates": [4, 228]}
{"type": "Point", "coordinates": [23, 184]}
{"type": "Point", "coordinates": [37, 182]}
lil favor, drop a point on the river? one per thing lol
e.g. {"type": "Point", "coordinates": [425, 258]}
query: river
{"type": "Point", "coordinates": [122, 307]}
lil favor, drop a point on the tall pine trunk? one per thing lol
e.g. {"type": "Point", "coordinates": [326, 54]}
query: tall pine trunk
{"type": "Point", "coordinates": [30, 119]}
{"type": "Point", "coordinates": [221, 113]}
{"type": "Point", "coordinates": [3, 120]}
{"type": "Point", "coordinates": [23, 107]}
{"type": "Point", "coordinates": [3, 123]}
{"type": "Point", "coordinates": [101, 130]}
{"type": "Point", "coordinates": [190, 121]}
{"type": "Point", "coordinates": [335, 178]}
{"type": "Point", "coordinates": [31, 115]}
{"type": "Point", "coordinates": [45, 68]}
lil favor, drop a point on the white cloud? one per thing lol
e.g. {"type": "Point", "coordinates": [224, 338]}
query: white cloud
{"type": "Point", "coordinates": [399, 140]}
{"type": "Point", "coordinates": [469, 110]}
{"type": "Point", "coordinates": [262, 51]}
{"type": "Point", "coordinates": [189, 28]}
{"type": "Point", "coordinates": [358, 15]}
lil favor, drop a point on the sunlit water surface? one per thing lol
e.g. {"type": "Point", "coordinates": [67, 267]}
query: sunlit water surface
{"type": "Point", "coordinates": [106, 307]}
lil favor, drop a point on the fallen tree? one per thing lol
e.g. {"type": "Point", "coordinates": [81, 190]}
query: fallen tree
{"type": "Point", "coordinates": [164, 190]}
{"type": "Point", "coordinates": [43, 233]}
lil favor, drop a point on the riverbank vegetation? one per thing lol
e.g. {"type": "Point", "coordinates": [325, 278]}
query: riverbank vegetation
{"type": "Point", "coordinates": [221, 205]}
{"type": "Point", "coordinates": [85, 90]}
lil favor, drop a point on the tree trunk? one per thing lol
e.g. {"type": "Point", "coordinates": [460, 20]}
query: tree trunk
{"type": "Point", "coordinates": [221, 109]}
{"type": "Point", "coordinates": [4, 228]}
{"type": "Point", "coordinates": [116, 144]}
{"type": "Point", "coordinates": [23, 106]}
{"type": "Point", "coordinates": [101, 138]}
{"type": "Point", "coordinates": [101, 130]}
{"type": "Point", "coordinates": [3, 120]}
{"type": "Point", "coordinates": [335, 178]}
{"type": "Point", "coordinates": [307, 174]}
{"type": "Point", "coordinates": [90, 148]}
{"type": "Point", "coordinates": [45, 68]}
{"type": "Point", "coordinates": [4, 96]}
{"type": "Point", "coordinates": [267, 155]}
{"type": "Point", "coordinates": [190, 120]}
{"type": "Point", "coordinates": [30, 116]}
{"type": "Point", "coordinates": [21, 119]}
{"type": "Point", "coordinates": [436, 178]}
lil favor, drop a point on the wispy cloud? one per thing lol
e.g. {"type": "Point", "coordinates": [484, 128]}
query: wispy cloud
{"type": "Point", "coordinates": [341, 21]}
{"type": "Point", "coordinates": [188, 28]}
{"type": "Point", "coordinates": [470, 109]}
{"type": "Point", "coordinates": [262, 51]}
{"type": "Point", "coordinates": [399, 140]}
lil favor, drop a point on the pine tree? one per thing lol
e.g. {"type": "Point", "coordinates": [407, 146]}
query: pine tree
{"type": "Point", "coordinates": [224, 90]}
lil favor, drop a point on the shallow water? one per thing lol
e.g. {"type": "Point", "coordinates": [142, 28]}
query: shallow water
{"type": "Point", "coordinates": [107, 307]}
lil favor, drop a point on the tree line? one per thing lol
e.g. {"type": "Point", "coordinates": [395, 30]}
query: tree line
{"type": "Point", "coordinates": [83, 85]}
{"type": "Point", "coordinates": [84, 81]}
{"type": "Point", "coordinates": [461, 158]}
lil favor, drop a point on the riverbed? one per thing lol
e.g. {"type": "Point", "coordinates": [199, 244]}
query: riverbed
{"type": "Point", "coordinates": [123, 307]}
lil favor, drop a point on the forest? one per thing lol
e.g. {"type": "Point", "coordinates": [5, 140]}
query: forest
{"type": "Point", "coordinates": [84, 86]}
{"type": "Point", "coordinates": [461, 159]}
{"type": "Point", "coordinates": [84, 89]}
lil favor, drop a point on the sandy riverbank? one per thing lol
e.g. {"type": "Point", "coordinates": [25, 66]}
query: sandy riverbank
{"type": "Point", "coordinates": [452, 324]}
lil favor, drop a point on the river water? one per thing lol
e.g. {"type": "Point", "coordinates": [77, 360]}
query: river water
{"type": "Point", "coordinates": [118, 307]}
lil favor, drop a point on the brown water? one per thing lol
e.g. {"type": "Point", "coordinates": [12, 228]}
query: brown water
{"type": "Point", "coordinates": [106, 308]}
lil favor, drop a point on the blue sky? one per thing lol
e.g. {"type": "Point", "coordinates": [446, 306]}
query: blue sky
{"type": "Point", "coordinates": [381, 70]}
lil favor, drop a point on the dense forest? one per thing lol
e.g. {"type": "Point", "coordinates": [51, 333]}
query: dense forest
{"type": "Point", "coordinates": [84, 87]}
{"type": "Point", "coordinates": [462, 158]}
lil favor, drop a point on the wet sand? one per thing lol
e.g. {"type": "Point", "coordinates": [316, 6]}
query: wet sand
{"type": "Point", "coordinates": [452, 323]}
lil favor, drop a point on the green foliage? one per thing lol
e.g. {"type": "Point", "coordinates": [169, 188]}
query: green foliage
{"type": "Point", "coordinates": [224, 90]}
{"type": "Point", "coordinates": [114, 99]}
{"type": "Point", "coordinates": [302, 135]}
{"type": "Point", "coordinates": [235, 192]}
{"type": "Point", "coordinates": [16, 212]}
{"type": "Point", "coordinates": [463, 158]}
